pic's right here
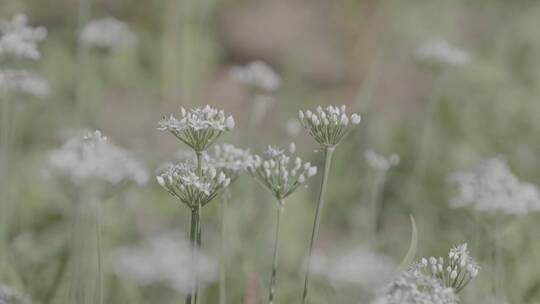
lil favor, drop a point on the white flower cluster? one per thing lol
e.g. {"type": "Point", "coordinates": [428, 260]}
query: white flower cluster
{"type": "Point", "coordinates": [415, 287]}
{"type": "Point", "coordinates": [198, 127]}
{"type": "Point", "coordinates": [228, 158]}
{"type": "Point", "coordinates": [23, 81]}
{"type": "Point", "coordinates": [9, 295]}
{"type": "Point", "coordinates": [380, 162]}
{"type": "Point", "coordinates": [359, 267]}
{"type": "Point", "coordinates": [278, 173]}
{"type": "Point", "coordinates": [455, 273]}
{"type": "Point", "coordinates": [183, 182]}
{"type": "Point", "coordinates": [107, 33]}
{"type": "Point", "coordinates": [492, 187]}
{"type": "Point", "coordinates": [20, 40]}
{"type": "Point", "coordinates": [165, 260]}
{"type": "Point", "coordinates": [257, 74]}
{"type": "Point", "coordinates": [328, 126]}
{"type": "Point", "coordinates": [92, 158]}
{"type": "Point", "coordinates": [440, 51]}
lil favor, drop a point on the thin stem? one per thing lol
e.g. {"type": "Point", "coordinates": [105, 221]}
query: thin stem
{"type": "Point", "coordinates": [192, 242]}
{"type": "Point", "coordinates": [499, 272]}
{"type": "Point", "coordinates": [329, 151]}
{"type": "Point", "coordinates": [376, 202]}
{"type": "Point", "coordinates": [4, 161]}
{"type": "Point", "coordinates": [99, 253]}
{"type": "Point", "coordinates": [51, 292]}
{"type": "Point", "coordinates": [198, 233]}
{"type": "Point", "coordinates": [82, 55]}
{"type": "Point", "coordinates": [223, 269]}
{"type": "Point", "coordinates": [275, 256]}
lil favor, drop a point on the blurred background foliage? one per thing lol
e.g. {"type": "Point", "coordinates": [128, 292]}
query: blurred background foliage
{"type": "Point", "coordinates": [359, 53]}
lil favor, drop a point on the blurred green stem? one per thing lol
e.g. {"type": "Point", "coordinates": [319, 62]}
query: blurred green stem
{"type": "Point", "coordinates": [275, 256]}
{"type": "Point", "coordinates": [194, 222]}
{"type": "Point", "coordinates": [224, 256]}
{"type": "Point", "coordinates": [328, 152]}
{"type": "Point", "coordinates": [82, 58]}
{"type": "Point", "coordinates": [376, 203]}
{"type": "Point", "coordinates": [51, 292]}
{"type": "Point", "coordinates": [4, 172]}
{"type": "Point", "coordinates": [99, 244]}
{"type": "Point", "coordinates": [499, 273]}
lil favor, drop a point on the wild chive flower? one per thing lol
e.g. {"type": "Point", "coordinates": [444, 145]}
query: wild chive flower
{"type": "Point", "coordinates": [92, 158]}
{"type": "Point", "coordinates": [24, 82]}
{"type": "Point", "coordinates": [107, 33]}
{"type": "Point", "coordinates": [19, 40]}
{"type": "Point", "coordinates": [456, 272]}
{"type": "Point", "coordinates": [183, 182]}
{"type": "Point", "coordinates": [440, 51]}
{"type": "Point", "coordinates": [380, 162]}
{"type": "Point", "coordinates": [328, 126]}
{"type": "Point", "coordinates": [9, 295]}
{"type": "Point", "coordinates": [199, 127]}
{"type": "Point", "coordinates": [279, 173]}
{"type": "Point", "coordinates": [164, 260]}
{"type": "Point", "coordinates": [492, 187]}
{"type": "Point", "coordinates": [415, 287]}
{"type": "Point", "coordinates": [257, 74]}
{"type": "Point", "coordinates": [228, 158]}
{"type": "Point", "coordinates": [358, 267]}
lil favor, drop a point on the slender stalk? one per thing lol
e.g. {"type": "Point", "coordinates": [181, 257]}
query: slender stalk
{"type": "Point", "coordinates": [82, 57]}
{"type": "Point", "coordinates": [275, 256]}
{"type": "Point", "coordinates": [499, 273]}
{"type": "Point", "coordinates": [4, 161]}
{"type": "Point", "coordinates": [193, 243]}
{"type": "Point", "coordinates": [51, 292]}
{"type": "Point", "coordinates": [376, 202]}
{"type": "Point", "coordinates": [99, 253]}
{"type": "Point", "coordinates": [198, 233]}
{"type": "Point", "coordinates": [223, 269]}
{"type": "Point", "coordinates": [328, 152]}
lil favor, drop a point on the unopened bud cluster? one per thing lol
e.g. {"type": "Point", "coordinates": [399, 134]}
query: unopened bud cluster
{"type": "Point", "coordinates": [280, 173]}
{"type": "Point", "coordinates": [456, 272]}
{"type": "Point", "coordinates": [193, 188]}
{"type": "Point", "coordinates": [198, 127]}
{"type": "Point", "coordinates": [328, 126]}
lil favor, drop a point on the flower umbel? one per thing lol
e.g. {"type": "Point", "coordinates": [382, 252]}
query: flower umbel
{"type": "Point", "coordinates": [23, 81]}
{"type": "Point", "coordinates": [228, 158]}
{"type": "Point", "coordinates": [328, 126]}
{"type": "Point", "coordinates": [20, 40]}
{"type": "Point", "coordinates": [380, 162]}
{"type": "Point", "coordinates": [456, 272]}
{"type": "Point", "coordinates": [107, 33]}
{"type": "Point", "coordinates": [199, 127]}
{"type": "Point", "coordinates": [9, 295]}
{"type": "Point", "coordinates": [192, 189]}
{"type": "Point", "coordinates": [279, 173]}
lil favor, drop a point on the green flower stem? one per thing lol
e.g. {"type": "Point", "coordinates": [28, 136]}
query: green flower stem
{"type": "Point", "coordinates": [51, 292]}
{"type": "Point", "coordinates": [82, 58]}
{"type": "Point", "coordinates": [376, 202]}
{"type": "Point", "coordinates": [193, 243]}
{"type": "Point", "coordinates": [223, 269]}
{"type": "Point", "coordinates": [99, 253]}
{"type": "Point", "coordinates": [275, 256]}
{"type": "Point", "coordinates": [4, 161]}
{"type": "Point", "coordinates": [328, 152]}
{"type": "Point", "coordinates": [198, 234]}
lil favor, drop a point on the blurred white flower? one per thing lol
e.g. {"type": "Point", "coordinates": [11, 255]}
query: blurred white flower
{"type": "Point", "coordinates": [278, 173]}
{"type": "Point", "coordinates": [415, 287]}
{"type": "Point", "coordinates": [440, 51]}
{"type": "Point", "coordinates": [20, 40]}
{"type": "Point", "coordinates": [107, 33]}
{"type": "Point", "coordinates": [23, 81]}
{"type": "Point", "coordinates": [261, 105]}
{"type": "Point", "coordinates": [328, 126]}
{"type": "Point", "coordinates": [380, 162]}
{"type": "Point", "coordinates": [492, 187]}
{"type": "Point", "coordinates": [166, 259]}
{"type": "Point", "coordinates": [358, 267]}
{"type": "Point", "coordinates": [228, 158]}
{"type": "Point", "coordinates": [257, 74]}
{"type": "Point", "coordinates": [92, 158]}
{"type": "Point", "coordinates": [293, 128]}
{"type": "Point", "coordinates": [9, 295]}
{"type": "Point", "coordinates": [198, 127]}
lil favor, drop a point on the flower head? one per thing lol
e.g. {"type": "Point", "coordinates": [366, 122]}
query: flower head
{"type": "Point", "coordinates": [23, 81]}
{"type": "Point", "coordinates": [492, 187]}
{"type": "Point", "coordinates": [191, 188]}
{"type": "Point", "coordinates": [257, 74]}
{"type": "Point", "coordinates": [20, 40]}
{"type": "Point", "coordinates": [415, 287]}
{"type": "Point", "coordinates": [456, 272]}
{"type": "Point", "coordinates": [93, 159]}
{"type": "Point", "coordinates": [199, 127]}
{"type": "Point", "coordinates": [380, 162]}
{"type": "Point", "coordinates": [228, 158]}
{"type": "Point", "coordinates": [158, 260]}
{"type": "Point", "coordinates": [9, 295]}
{"type": "Point", "coordinates": [440, 51]}
{"type": "Point", "coordinates": [328, 126]}
{"type": "Point", "coordinates": [280, 173]}
{"type": "Point", "coordinates": [107, 33]}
